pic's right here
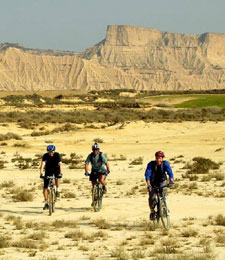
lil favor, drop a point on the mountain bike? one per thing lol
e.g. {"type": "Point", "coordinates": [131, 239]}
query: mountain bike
{"type": "Point", "coordinates": [162, 208]}
{"type": "Point", "coordinates": [51, 195]}
{"type": "Point", "coordinates": [97, 194]}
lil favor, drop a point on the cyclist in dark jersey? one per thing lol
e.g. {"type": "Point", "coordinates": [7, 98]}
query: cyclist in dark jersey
{"type": "Point", "coordinates": [100, 166]}
{"type": "Point", "coordinates": [155, 175]}
{"type": "Point", "coordinates": [52, 165]}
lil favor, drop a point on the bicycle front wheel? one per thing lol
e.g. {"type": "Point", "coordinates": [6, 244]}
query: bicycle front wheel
{"type": "Point", "coordinates": [50, 201]}
{"type": "Point", "coordinates": [95, 198]}
{"type": "Point", "coordinates": [100, 192]}
{"type": "Point", "coordinates": [164, 215]}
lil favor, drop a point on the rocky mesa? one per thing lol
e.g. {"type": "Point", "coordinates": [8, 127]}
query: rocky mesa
{"type": "Point", "coordinates": [129, 57]}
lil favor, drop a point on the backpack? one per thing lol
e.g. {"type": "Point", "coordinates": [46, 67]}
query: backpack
{"type": "Point", "coordinates": [100, 160]}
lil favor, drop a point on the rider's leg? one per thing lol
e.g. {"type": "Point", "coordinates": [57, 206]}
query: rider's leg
{"type": "Point", "coordinates": [152, 201]}
{"type": "Point", "coordinates": [57, 183]}
{"type": "Point", "coordinates": [103, 182]}
{"type": "Point", "coordinates": [152, 204]}
{"type": "Point", "coordinates": [102, 179]}
{"type": "Point", "coordinates": [45, 193]}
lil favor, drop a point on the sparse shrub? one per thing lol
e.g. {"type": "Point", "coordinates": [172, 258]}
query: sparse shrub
{"type": "Point", "coordinates": [69, 195]}
{"type": "Point", "coordinates": [206, 178]}
{"type": "Point", "coordinates": [189, 232]}
{"type": "Point", "coordinates": [4, 241]}
{"type": "Point", "coordinates": [3, 144]}
{"type": "Point", "coordinates": [98, 140]}
{"type": "Point", "coordinates": [119, 254]}
{"type": "Point", "coordinates": [138, 254]}
{"type": "Point", "coordinates": [75, 235]}
{"type": "Point", "coordinates": [17, 222]}
{"type": "Point", "coordinates": [206, 244]}
{"type": "Point", "coordinates": [220, 220]}
{"type": "Point", "coordinates": [220, 238]}
{"type": "Point", "coordinates": [7, 184]}
{"type": "Point", "coordinates": [219, 149]}
{"type": "Point", "coordinates": [25, 243]}
{"type": "Point", "coordinates": [193, 186]}
{"type": "Point", "coordinates": [66, 180]}
{"type": "Point", "coordinates": [147, 241]}
{"type": "Point", "coordinates": [64, 223]}
{"type": "Point", "coordinates": [147, 225]}
{"type": "Point", "coordinates": [23, 195]}
{"type": "Point", "coordinates": [22, 145]}
{"type": "Point", "coordinates": [37, 236]}
{"type": "Point", "coordinates": [9, 136]}
{"type": "Point", "coordinates": [83, 248]}
{"type": "Point", "coordinates": [119, 182]}
{"type": "Point", "coordinates": [75, 161]}
{"type": "Point", "coordinates": [101, 223]}
{"type": "Point", "coordinates": [168, 246]}
{"type": "Point", "coordinates": [219, 176]}
{"type": "Point", "coordinates": [32, 253]}
{"type": "Point", "coordinates": [65, 128]}
{"type": "Point", "coordinates": [137, 161]}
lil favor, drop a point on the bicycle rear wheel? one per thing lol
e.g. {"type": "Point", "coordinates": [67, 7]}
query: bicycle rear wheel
{"type": "Point", "coordinates": [164, 215]}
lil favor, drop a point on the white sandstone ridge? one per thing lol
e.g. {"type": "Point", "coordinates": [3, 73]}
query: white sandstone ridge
{"type": "Point", "coordinates": [129, 57]}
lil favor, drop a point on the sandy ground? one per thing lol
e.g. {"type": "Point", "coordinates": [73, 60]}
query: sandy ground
{"type": "Point", "coordinates": [125, 207]}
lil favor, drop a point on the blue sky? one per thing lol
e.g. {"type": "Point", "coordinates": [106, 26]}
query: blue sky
{"type": "Point", "coordinates": [79, 24]}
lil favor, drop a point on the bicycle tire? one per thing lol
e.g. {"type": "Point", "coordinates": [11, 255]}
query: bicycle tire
{"type": "Point", "coordinates": [165, 218]}
{"type": "Point", "coordinates": [95, 198]}
{"type": "Point", "coordinates": [100, 192]}
{"type": "Point", "coordinates": [50, 202]}
{"type": "Point", "coordinates": [53, 200]}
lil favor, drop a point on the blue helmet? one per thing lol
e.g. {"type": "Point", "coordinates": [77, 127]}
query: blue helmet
{"type": "Point", "coordinates": [50, 148]}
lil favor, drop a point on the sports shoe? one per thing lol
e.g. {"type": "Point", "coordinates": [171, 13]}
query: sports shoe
{"type": "Point", "coordinates": [57, 194]}
{"type": "Point", "coordinates": [104, 189]}
{"type": "Point", "coordinates": [152, 215]}
{"type": "Point", "coordinates": [46, 206]}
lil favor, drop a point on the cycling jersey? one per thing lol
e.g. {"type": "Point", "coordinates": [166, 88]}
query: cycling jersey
{"type": "Point", "coordinates": [97, 161]}
{"type": "Point", "coordinates": [51, 163]}
{"type": "Point", "coordinates": [157, 174]}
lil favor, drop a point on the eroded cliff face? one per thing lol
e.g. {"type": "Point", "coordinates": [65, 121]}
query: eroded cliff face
{"type": "Point", "coordinates": [129, 57]}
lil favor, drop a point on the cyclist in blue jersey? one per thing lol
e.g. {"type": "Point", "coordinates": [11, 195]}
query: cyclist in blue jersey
{"type": "Point", "coordinates": [156, 175]}
{"type": "Point", "coordinates": [100, 166]}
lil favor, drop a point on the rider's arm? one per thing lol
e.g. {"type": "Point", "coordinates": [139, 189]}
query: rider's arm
{"type": "Point", "coordinates": [60, 168]}
{"type": "Point", "coordinates": [107, 166]}
{"type": "Point", "coordinates": [148, 173]}
{"type": "Point", "coordinates": [86, 167]}
{"type": "Point", "coordinates": [42, 167]}
{"type": "Point", "coordinates": [169, 171]}
{"type": "Point", "coordinates": [87, 161]}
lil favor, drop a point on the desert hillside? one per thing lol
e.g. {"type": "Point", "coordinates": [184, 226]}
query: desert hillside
{"type": "Point", "coordinates": [129, 57]}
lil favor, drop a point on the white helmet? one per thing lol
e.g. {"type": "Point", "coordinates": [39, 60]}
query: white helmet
{"type": "Point", "coordinates": [95, 146]}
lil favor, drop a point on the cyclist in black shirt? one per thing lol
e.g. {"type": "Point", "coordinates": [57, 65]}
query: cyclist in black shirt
{"type": "Point", "coordinates": [52, 164]}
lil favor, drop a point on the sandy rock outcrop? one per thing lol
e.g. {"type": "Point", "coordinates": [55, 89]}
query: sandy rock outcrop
{"type": "Point", "coordinates": [129, 57]}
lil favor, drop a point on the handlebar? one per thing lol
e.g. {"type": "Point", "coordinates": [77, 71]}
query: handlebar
{"type": "Point", "coordinates": [49, 177]}
{"type": "Point", "coordinates": [162, 187]}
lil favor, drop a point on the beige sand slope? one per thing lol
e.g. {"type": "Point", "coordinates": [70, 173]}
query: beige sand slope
{"type": "Point", "coordinates": [125, 207]}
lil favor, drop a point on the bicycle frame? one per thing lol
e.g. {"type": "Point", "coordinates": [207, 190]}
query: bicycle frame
{"type": "Point", "coordinates": [51, 194]}
{"type": "Point", "coordinates": [97, 193]}
{"type": "Point", "coordinates": [162, 208]}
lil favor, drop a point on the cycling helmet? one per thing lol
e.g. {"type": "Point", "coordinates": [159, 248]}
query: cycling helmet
{"type": "Point", "coordinates": [95, 146]}
{"type": "Point", "coordinates": [51, 148]}
{"type": "Point", "coordinates": [159, 154]}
